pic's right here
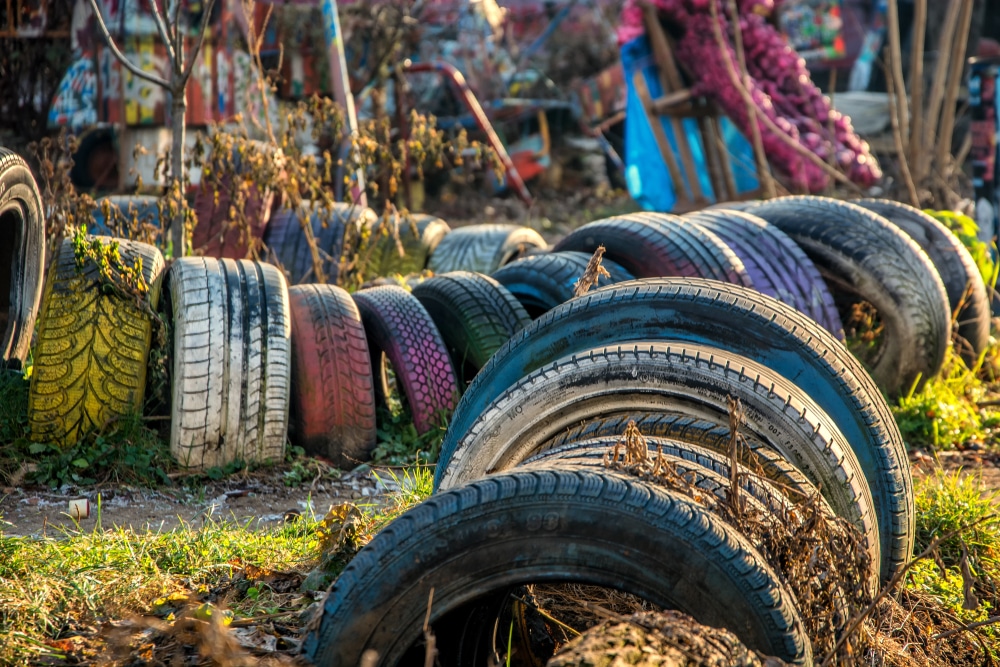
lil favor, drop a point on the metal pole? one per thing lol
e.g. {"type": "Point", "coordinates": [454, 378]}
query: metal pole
{"type": "Point", "coordinates": [342, 93]}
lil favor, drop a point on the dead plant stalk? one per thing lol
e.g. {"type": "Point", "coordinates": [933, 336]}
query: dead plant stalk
{"type": "Point", "coordinates": [888, 588]}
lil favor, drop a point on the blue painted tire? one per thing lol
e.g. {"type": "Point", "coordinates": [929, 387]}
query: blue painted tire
{"type": "Point", "coordinates": [288, 247]}
{"type": "Point", "coordinates": [145, 209]}
{"type": "Point", "coordinates": [733, 319]}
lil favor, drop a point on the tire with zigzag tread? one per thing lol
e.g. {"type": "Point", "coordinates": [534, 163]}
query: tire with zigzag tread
{"type": "Point", "coordinates": [93, 345]}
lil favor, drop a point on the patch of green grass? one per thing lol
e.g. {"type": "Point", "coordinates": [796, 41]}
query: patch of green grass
{"type": "Point", "coordinates": [57, 587]}
{"type": "Point", "coordinates": [947, 502]}
{"type": "Point", "coordinates": [944, 413]}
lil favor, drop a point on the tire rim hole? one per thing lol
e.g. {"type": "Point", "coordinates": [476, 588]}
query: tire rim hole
{"type": "Point", "coordinates": [10, 223]}
{"type": "Point", "coordinates": [534, 620]}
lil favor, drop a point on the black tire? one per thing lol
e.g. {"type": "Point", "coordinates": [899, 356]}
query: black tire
{"type": "Point", "coordinates": [970, 305]}
{"type": "Point", "coordinates": [702, 468]}
{"type": "Point", "coordinates": [400, 329]}
{"type": "Point", "coordinates": [681, 378]}
{"type": "Point", "coordinates": [231, 367]}
{"type": "Point", "coordinates": [777, 264]}
{"type": "Point", "coordinates": [417, 248]}
{"type": "Point", "coordinates": [542, 282]}
{"type": "Point", "coordinates": [706, 434]}
{"type": "Point", "coordinates": [288, 247]}
{"type": "Point", "coordinates": [708, 250]}
{"type": "Point", "coordinates": [22, 258]}
{"type": "Point", "coordinates": [475, 315]}
{"type": "Point", "coordinates": [483, 248]}
{"type": "Point", "coordinates": [91, 359]}
{"type": "Point", "coordinates": [883, 266]}
{"type": "Point", "coordinates": [740, 321]}
{"type": "Point", "coordinates": [646, 248]}
{"type": "Point", "coordinates": [551, 525]}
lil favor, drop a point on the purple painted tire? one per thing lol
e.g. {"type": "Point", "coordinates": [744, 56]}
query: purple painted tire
{"type": "Point", "coordinates": [778, 266]}
{"type": "Point", "coordinates": [646, 248]}
{"type": "Point", "coordinates": [399, 327]}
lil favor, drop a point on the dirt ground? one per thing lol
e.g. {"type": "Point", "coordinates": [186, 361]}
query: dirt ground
{"type": "Point", "coordinates": [259, 497]}
{"type": "Point", "coordinates": [264, 499]}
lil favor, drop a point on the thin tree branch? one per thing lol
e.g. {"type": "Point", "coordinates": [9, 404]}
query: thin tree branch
{"type": "Point", "coordinates": [917, 80]}
{"type": "Point", "coordinates": [209, 5]}
{"type": "Point", "coordinates": [177, 35]}
{"type": "Point", "coordinates": [895, 75]}
{"type": "Point", "coordinates": [897, 135]}
{"type": "Point", "coordinates": [146, 76]}
{"type": "Point", "coordinates": [965, 628]}
{"type": "Point", "coordinates": [161, 27]}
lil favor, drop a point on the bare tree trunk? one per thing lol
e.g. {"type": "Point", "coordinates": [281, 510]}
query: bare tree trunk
{"type": "Point", "coordinates": [178, 118]}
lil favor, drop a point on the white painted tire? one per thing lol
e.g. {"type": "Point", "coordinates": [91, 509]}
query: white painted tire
{"type": "Point", "coordinates": [232, 348]}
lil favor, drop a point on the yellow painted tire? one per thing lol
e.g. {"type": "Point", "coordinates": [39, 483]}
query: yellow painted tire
{"type": "Point", "coordinates": [93, 345]}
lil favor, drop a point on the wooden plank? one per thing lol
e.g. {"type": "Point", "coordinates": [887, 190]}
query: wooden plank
{"type": "Point", "coordinates": [642, 90]}
{"type": "Point", "coordinates": [662, 52]}
{"type": "Point", "coordinates": [661, 106]}
{"type": "Point", "coordinates": [712, 159]}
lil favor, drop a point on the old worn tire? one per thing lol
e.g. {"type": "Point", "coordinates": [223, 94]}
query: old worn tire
{"type": "Point", "coordinates": [93, 345]}
{"type": "Point", "coordinates": [776, 263]}
{"type": "Point", "coordinates": [887, 269]}
{"type": "Point", "coordinates": [551, 525]}
{"type": "Point", "coordinates": [702, 432]}
{"type": "Point", "coordinates": [646, 248]}
{"type": "Point", "coordinates": [474, 314]}
{"type": "Point", "coordinates": [740, 321]}
{"type": "Point", "coordinates": [707, 250]}
{"type": "Point", "coordinates": [124, 209]}
{"type": "Point", "coordinates": [215, 233]}
{"type": "Point", "coordinates": [332, 394]}
{"type": "Point", "coordinates": [22, 258]}
{"type": "Point", "coordinates": [970, 305]}
{"type": "Point", "coordinates": [417, 248]}
{"type": "Point", "coordinates": [288, 247]}
{"type": "Point", "coordinates": [482, 248]}
{"type": "Point", "coordinates": [649, 376]}
{"type": "Point", "coordinates": [230, 381]}
{"type": "Point", "coordinates": [399, 327]}
{"type": "Point", "coordinates": [702, 468]}
{"type": "Point", "coordinates": [542, 282]}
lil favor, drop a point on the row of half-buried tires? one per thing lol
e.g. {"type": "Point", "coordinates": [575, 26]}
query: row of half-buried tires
{"type": "Point", "coordinates": [523, 493]}
{"type": "Point", "coordinates": [247, 350]}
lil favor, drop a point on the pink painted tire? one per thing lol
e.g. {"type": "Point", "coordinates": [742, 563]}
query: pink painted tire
{"type": "Point", "coordinates": [332, 396]}
{"type": "Point", "coordinates": [400, 328]}
{"type": "Point", "coordinates": [215, 234]}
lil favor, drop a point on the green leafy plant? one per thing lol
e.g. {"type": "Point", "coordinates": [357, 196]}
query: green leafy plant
{"type": "Point", "coordinates": [967, 231]}
{"type": "Point", "coordinates": [400, 444]}
{"type": "Point", "coordinates": [128, 451]}
{"type": "Point", "coordinates": [944, 413]}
